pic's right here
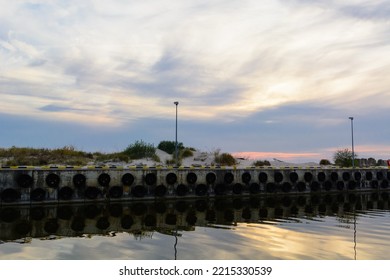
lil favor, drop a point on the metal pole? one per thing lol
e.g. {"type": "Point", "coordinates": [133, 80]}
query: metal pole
{"type": "Point", "coordinates": [176, 154]}
{"type": "Point", "coordinates": [353, 151]}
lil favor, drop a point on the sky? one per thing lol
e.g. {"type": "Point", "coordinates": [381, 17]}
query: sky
{"type": "Point", "coordinates": [262, 79]}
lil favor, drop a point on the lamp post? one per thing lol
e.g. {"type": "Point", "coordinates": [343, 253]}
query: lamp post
{"type": "Point", "coordinates": [353, 152]}
{"type": "Point", "coordinates": [176, 154]}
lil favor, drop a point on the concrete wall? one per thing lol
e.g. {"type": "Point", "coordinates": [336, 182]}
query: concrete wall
{"type": "Point", "coordinates": [69, 184]}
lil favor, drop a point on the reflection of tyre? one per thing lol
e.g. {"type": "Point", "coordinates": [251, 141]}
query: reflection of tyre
{"type": "Point", "coordinates": [138, 191]}
{"type": "Point", "coordinates": [115, 192]}
{"type": "Point", "coordinates": [181, 190]}
{"type": "Point", "coordinates": [254, 188]}
{"type": "Point", "coordinates": [286, 187]}
{"type": "Point", "coordinates": [91, 192]}
{"type": "Point", "coordinates": [219, 189]}
{"type": "Point", "coordinates": [270, 187]}
{"type": "Point", "coordinates": [328, 185]}
{"type": "Point", "coordinates": [38, 194]}
{"type": "Point", "coordinates": [10, 195]}
{"type": "Point", "coordinates": [237, 188]}
{"type": "Point", "coordinates": [65, 193]}
{"type": "Point", "coordinates": [160, 190]}
{"type": "Point", "coordinates": [201, 190]}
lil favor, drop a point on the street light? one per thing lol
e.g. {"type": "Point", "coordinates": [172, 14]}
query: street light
{"type": "Point", "coordinates": [176, 155]}
{"type": "Point", "coordinates": [353, 152]}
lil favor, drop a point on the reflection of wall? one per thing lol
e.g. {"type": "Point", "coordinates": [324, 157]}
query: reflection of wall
{"type": "Point", "coordinates": [167, 216]}
{"type": "Point", "coordinates": [24, 185]}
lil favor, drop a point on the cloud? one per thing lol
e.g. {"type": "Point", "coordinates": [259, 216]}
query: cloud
{"type": "Point", "coordinates": [118, 63]}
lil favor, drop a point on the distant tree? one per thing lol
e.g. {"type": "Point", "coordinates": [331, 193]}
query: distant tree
{"type": "Point", "coordinates": [325, 162]}
{"type": "Point", "coordinates": [169, 146]}
{"type": "Point", "coordinates": [343, 158]}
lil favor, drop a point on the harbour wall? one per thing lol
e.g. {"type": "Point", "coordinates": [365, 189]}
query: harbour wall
{"type": "Point", "coordinates": [22, 184]}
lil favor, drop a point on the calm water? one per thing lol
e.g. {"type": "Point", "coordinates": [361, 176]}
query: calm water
{"type": "Point", "coordinates": [339, 226]}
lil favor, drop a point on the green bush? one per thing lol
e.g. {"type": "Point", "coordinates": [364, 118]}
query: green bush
{"type": "Point", "coordinates": [186, 153]}
{"type": "Point", "coordinates": [169, 146]}
{"type": "Point", "coordinates": [325, 162]}
{"type": "Point", "coordinates": [225, 159]}
{"type": "Point", "coordinates": [261, 163]}
{"type": "Point", "coordinates": [343, 158]}
{"type": "Point", "coordinates": [139, 150]}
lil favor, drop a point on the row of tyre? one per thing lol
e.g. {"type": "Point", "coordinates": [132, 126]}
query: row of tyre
{"type": "Point", "coordinates": [67, 193]}
{"type": "Point", "coordinates": [267, 182]}
{"type": "Point", "coordinates": [79, 180]}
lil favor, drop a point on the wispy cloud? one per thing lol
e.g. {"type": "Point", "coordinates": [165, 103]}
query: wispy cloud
{"type": "Point", "coordinates": [117, 62]}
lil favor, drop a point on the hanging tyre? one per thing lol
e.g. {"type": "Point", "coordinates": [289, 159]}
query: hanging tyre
{"type": "Point", "coordinates": [24, 181]}
{"type": "Point", "coordinates": [150, 179]}
{"type": "Point", "coordinates": [104, 179]}
{"type": "Point", "coordinates": [52, 180]}
{"type": "Point", "coordinates": [321, 176]}
{"type": "Point", "coordinates": [127, 179]}
{"type": "Point", "coordinates": [263, 177]}
{"type": "Point", "coordinates": [79, 180]}
{"type": "Point", "coordinates": [293, 177]}
{"type": "Point", "coordinates": [228, 178]}
{"type": "Point", "coordinates": [210, 178]}
{"type": "Point", "coordinates": [191, 178]}
{"type": "Point", "coordinates": [171, 178]}
{"type": "Point", "coordinates": [278, 177]}
{"type": "Point", "coordinates": [308, 176]}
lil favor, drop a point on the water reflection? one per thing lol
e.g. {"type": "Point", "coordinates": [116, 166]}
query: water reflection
{"type": "Point", "coordinates": [339, 226]}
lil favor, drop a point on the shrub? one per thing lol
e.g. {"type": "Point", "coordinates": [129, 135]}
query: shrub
{"type": "Point", "coordinates": [169, 146]}
{"type": "Point", "coordinates": [262, 163]}
{"type": "Point", "coordinates": [225, 159]}
{"type": "Point", "coordinates": [343, 158]}
{"type": "Point", "coordinates": [325, 162]}
{"type": "Point", "coordinates": [186, 153]}
{"type": "Point", "coordinates": [140, 149]}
